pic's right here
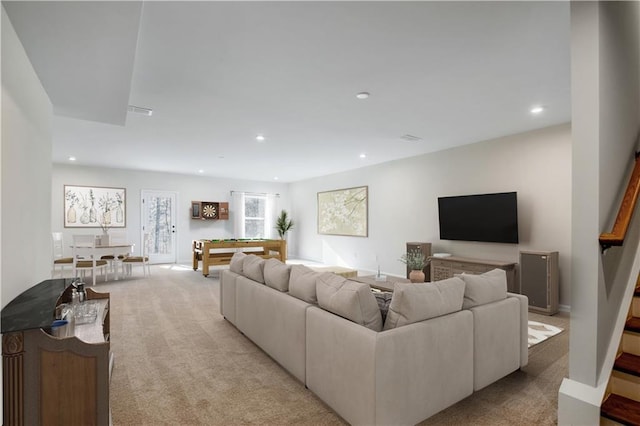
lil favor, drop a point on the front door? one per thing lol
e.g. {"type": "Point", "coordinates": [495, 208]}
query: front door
{"type": "Point", "coordinates": [159, 221]}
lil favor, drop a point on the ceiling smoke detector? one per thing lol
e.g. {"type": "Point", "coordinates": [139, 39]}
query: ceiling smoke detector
{"type": "Point", "coordinates": [410, 138]}
{"type": "Point", "coordinates": [140, 110]}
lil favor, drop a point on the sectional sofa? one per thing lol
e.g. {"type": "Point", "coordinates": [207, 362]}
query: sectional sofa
{"type": "Point", "coordinates": [438, 343]}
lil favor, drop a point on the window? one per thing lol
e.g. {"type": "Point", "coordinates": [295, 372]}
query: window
{"type": "Point", "coordinates": [255, 207]}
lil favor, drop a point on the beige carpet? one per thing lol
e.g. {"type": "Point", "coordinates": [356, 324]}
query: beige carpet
{"type": "Point", "coordinates": [178, 362]}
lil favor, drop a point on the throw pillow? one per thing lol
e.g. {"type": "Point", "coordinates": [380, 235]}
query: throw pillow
{"type": "Point", "coordinates": [302, 283]}
{"type": "Point", "coordinates": [276, 274]}
{"type": "Point", "coordinates": [485, 288]}
{"type": "Point", "coordinates": [236, 262]}
{"type": "Point", "coordinates": [417, 302]}
{"type": "Point", "coordinates": [349, 299]}
{"type": "Point", "coordinates": [252, 268]}
{"type": "Point", "coordinates": [384, 299]}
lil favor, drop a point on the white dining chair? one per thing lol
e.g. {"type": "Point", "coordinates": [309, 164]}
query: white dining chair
{"type": "Point", "coordinates": [115, 260]}
{"type": "Point", "coordinates": [59, 261]}
{"type": "Point", "coordinates": [141, 260]}
{"type": "Point", "coordinates": [84, 257]}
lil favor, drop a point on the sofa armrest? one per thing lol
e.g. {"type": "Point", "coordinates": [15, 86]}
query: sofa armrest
{"type": "Point", "coordinates": [497, 337]}
{"type": "Point", "coordinates": [524, 327]}
{"type": "Point", "coordinates": [228, 295]}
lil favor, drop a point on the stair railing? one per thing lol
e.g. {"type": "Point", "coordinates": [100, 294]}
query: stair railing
{"type": "Point", "coordinates": [621, 225]}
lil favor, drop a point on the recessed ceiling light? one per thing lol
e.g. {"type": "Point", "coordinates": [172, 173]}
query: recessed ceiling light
{"type": "Point", "coordinates": [363, 155]}
{"type": "Point", "coordinates": [362, 95]}
{"type": "Point", "coordinates": [201, 171]}
{"type": "Point", "coordinates": [221, 156]}
{"type": "Point", "coordinates": [536, 110]}
{"type": "Point", "coordinates": [72, 158]}
{"type": "Point", "coordinates": [276, 178]}
{"type": "Point", "coordinates": [260, 138]}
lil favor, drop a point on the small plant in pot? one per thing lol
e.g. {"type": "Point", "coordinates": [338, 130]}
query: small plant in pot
{"type": "Point", "coordinates": [416, 261]}
{"type": "Point", "coordinates": [283, 224]}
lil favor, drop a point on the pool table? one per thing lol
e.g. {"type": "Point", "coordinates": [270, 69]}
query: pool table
{"type": "Point", "coordinates": [216, 252]}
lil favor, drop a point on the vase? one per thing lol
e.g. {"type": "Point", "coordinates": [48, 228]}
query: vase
{"type": "Point", "coordinates": [71, 215]}
{"type": "Point", "coordinates": [416, 276]}
{"type": "Point", "coordinates": [119, 214]}
{"type": "Point", "coordinates": [104, 239]}
{"type": "Point", "coordinates": [84, 217]}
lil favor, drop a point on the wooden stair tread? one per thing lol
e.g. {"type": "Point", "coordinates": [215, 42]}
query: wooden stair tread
{"type": "Point", "coordinates": [637, 292]}
{"type": "Point", "coordinates": [628, 363]}
{"type": "Point", "coordinates": [633, 324]}
{"type": "Point", "coordinates": [621, 409]}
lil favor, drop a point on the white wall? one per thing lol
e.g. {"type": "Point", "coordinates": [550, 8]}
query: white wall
{"type": "Point", "coordinates": [605, 62]}
{"type": "Point", "coordinates": [606, 119]}
{"type": "Point", "coordinates": [403, 202]}
{"type": "Point", "coordinates": [25, 171]}
{"type": "Point", "coordinates": [188, 188]}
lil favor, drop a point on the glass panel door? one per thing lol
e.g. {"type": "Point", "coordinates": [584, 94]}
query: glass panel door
{"type": "Point", "coordinates": [158, 219]}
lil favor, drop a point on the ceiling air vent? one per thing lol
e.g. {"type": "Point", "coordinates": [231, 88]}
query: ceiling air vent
{"type": "Point", "coordinates": [410, 138]}
{"type": "Point", "coordinates": [140, 110]}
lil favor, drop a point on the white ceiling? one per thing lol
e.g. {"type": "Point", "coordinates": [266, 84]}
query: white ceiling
{"type": "Point", "coordinates": [218, 73]}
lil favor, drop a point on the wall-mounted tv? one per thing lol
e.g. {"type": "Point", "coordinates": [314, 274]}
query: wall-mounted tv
{"type": "Point", "coordinates": [483, 217]}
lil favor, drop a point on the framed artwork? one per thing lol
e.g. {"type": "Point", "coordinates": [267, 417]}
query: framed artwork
{"type": "Point", "coordinates": [94, 207]}
{"type": "Point", "coordinates": [344, 212]}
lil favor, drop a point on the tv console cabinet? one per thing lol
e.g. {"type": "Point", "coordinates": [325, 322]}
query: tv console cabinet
{"type": "Point", "coordinates": [446, 267]}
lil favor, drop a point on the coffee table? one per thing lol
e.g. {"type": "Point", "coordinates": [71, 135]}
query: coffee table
{"type": "Point", "coordinates": [380, 285]}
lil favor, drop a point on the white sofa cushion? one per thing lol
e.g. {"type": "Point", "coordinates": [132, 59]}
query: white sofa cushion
{"type": "Point", "coordinates": [417, 302]}
{"type": "Point", "coordinates": [236, 262]}
{"type": "Point", "coordinates": [253, 268]}
{"type": "Point", "coordinates": [276, 274]}
{"type": "Point", "coordinates": [302, 283]}
{"type": "Point", "coordinates": [485, 288]}
{"type": "Point", "coordinates": [349, 299]}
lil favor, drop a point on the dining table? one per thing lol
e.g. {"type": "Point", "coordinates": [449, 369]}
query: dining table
{"type": "Point", "coordinates": [115, 250]}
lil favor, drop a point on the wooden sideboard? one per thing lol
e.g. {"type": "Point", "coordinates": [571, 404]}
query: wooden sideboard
{"type": "Point", "coordinates": [445, 267]}
{"type": "Point", "coordinates": [216, 252]}
{"type": "Point", "coordinates": [49, 379]}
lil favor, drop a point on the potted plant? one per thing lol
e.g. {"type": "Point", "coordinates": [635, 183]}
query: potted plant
{"type": "Point", "coordinates": [283, 224]}
{"type": "Point", "coordinates": [416, 261]}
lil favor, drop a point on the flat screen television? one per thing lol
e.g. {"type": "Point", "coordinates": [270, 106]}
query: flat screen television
{"type": "Point", "coordinates": [483, 217]}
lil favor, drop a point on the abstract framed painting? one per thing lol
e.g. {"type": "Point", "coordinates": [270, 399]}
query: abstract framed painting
{"type": "Point", "coordinates": [94, 207]}
{"type": "Point", "coordinates": [344, 212]}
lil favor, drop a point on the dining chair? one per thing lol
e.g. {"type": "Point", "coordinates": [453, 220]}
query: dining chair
{"type": "Point", "coordinates": [141, 260]}
{"type": "Point", "coordinates": [59, 261]}
{"type": "Point", "coordinates": [116, 238]}
{"type": "Point", "coordinates": [84, 258]}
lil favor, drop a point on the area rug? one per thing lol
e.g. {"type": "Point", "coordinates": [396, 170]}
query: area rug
{"type": "Point", "coordinates": [539, 332]}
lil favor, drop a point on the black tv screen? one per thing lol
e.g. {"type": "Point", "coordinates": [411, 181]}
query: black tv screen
{"type": "Point", "coordinates": [484, 217]}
